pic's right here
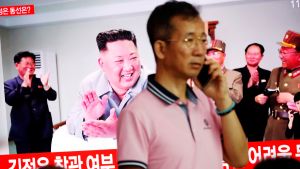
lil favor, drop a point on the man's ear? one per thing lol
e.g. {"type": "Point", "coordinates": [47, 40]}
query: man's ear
{"type": "Point", "coordinates": [100, 61]}
{"type": "Point", "coordinates": [16, 65]}
{"type": "Point", "coordinates": [160, 49]}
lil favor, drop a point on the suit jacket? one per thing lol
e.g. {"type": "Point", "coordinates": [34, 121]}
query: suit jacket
{"type": "Point", "coordinates": [30, 115]}
{"type": "Point", "coordinates": [252, 115]}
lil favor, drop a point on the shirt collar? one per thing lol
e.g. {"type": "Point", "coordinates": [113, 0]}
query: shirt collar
{"type": "Point", "coordinates": [19, 79]}
{"type": "Point", "coordinates": [293, 72]}
{"type": "Point", "coordinates": [165, 95]}
{"type": "Point", "coordinates": [104, 86]}
{"type": "Point", "coordinates": [140, 84]}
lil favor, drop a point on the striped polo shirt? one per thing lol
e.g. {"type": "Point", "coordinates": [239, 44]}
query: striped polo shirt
{"type": "Point", "coordinates": [157, 130]}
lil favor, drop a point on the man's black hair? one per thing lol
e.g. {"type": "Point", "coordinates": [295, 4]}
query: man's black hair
{"type": "Point", "coordinates": [114, 35]}
{"type": "Point", "coordinates": [261, 47]}
{"type": "Point", "coordinates": [159, 23]}
{"type": "Point", "coordinates": [23, 54]}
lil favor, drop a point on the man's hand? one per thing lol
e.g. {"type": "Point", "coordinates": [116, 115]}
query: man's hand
{"type": "Point", "coordinates": [102, 128]}
{"type": "Point", "coordinates": [26, 79]}
{"type": "Point", "coordinates": [93, 106]}
{"type": "Point", "coordinates": [284, 97]}
{"type": "Point", "coordinates": [217, 87]}
{"type": "Point", "coordinates": [45, 81]}
{"type": "Point", "coordinates": [253, 79]}
{"type": "Point", "coordinates": [261, 99]}
{"type": "Point", "coordinates": [291, 119]}
{"type": "Point", "coordinates": [235, 147]}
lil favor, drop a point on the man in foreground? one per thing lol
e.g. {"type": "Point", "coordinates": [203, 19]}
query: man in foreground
{"type": "Point", "coordinates": [171, 125]}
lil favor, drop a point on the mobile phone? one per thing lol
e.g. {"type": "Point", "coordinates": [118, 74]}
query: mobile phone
{"type": "Point", "coordinates": [203, 76]}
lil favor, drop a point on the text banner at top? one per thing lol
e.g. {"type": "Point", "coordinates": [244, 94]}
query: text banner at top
{"type": "Point", "coordinates": [17, 10]}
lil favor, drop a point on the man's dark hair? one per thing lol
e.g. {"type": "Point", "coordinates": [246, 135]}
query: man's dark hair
{"type": "Point", "coordinates": [159, 23]}
{"type": "Point", "coordinates": [23, 54]}
{"type": "Point", "coordinates": [114, 35]}
{"type": "Point", "coordinates": [261, 47]}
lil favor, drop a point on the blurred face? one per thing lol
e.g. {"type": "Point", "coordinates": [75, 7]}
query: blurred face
{"type": "Point", "coordinates": [26, 63]}
{"type": "Point", "coordinates": [185, 50]}
{"type": "Point", "coordinates": [253, 56]}
{"type": "Point", "coordinates": [216, 55]}
{"type": "Point", "coordinates": [121, 64]}
{"type": "Point", "coordinates": [290, 58]}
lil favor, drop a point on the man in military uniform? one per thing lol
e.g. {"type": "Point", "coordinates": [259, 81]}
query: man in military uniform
{"type": "Point", "coordinates": [286, 80]}
{"type": "Point", "coordinates": [216, 51]}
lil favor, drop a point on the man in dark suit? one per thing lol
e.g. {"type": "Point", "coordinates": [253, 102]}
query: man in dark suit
{"type": "Point", "coordinates": [31, 121]}
{"type": "Point", "coordinates": [252, 115]}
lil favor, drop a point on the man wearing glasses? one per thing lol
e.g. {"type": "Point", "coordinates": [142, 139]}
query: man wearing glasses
{"type": "Point", "coordinates": [234, 78]}
{"type": "Point", "coordinates": [286, 80]}
{"type": "Point", "coordinates": [169, 124]}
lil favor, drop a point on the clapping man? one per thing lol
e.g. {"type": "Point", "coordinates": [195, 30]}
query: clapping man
{"type": "Point", "coordinates": [31, 121]}
{"type": "Point", "coordinates": [252, 115]}
{"type": "Point", "coordinates": [104, 93]}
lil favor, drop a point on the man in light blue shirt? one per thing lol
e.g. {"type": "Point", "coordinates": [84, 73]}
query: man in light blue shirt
{"type": "Point", "coordinates": [104, 93]}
